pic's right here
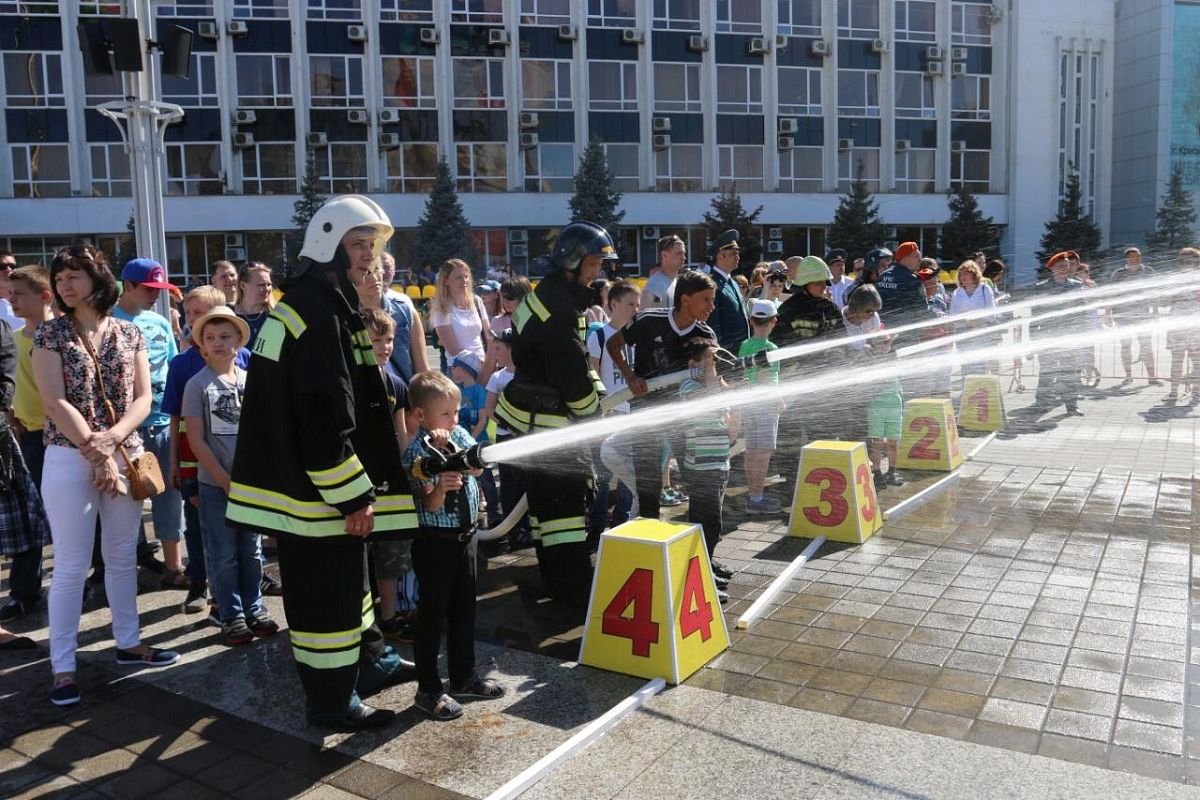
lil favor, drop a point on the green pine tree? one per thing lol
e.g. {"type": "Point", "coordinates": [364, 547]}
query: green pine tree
{"type": "Point", "coordinates": [1176, 217]}
{"type": "Point", "coordinates": [857, 227]}
{"type": "Point", "coordinates": [1071, 229]}
{"type": "Point", "coordinates": [309, 202]}
{"type": "Point", "coordinates": [127, 247]}
{"type": "Point", "coordinates": [595, 199]}
{"type": "Point", "coordinates": [443, 231]}
{"type": "Point", "coordinates": [728, 212]}
{"type": "Point", "coordinates": [968, 229]}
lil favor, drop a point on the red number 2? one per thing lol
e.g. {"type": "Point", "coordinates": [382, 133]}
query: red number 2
{"type": "Point", "coordinates": [700, 618]}
{"type": "Point", "coordinates": [863, 477]}
{"type": "Point", "coordinates": [980, 401]}
{"type": "Point", "coordinates": [833, 489]}
{"type": "Point", "coordinates": [638, 628]}
{"type": "Point", "coordinates": [933, 430]}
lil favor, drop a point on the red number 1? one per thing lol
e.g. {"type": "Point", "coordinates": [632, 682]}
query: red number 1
{"type": "Point", "coordinates": [981, 401]}
{"type": "Point", "coordinates": [638, 628]}
{"type": "Point", "coordinates": [933, 430]}
{"type": "Point", "coordinates": [833, 489]}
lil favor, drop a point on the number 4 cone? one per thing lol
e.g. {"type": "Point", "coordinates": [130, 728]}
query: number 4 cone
{"type": "Point", "coordinates": [835, 493]}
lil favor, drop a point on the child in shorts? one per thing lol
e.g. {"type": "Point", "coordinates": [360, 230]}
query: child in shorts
{"type": "Point", "coordinates": [885, 412]}
{"type": "Point", "coordinates": [761, 422]}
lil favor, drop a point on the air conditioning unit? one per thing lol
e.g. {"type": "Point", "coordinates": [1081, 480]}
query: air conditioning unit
{"type": "Point", "coordinates": [388, 116]}
{"type": "Point", "coordinates": [633, 36]}
{"type": "Point", "coordinates": [237, 27]}
{"type": "Point", "coordinates": [520, 251]}
{"type": "Point", "coordinates": [958, 146]}
{"type": "Point", "coordinates": [356, 33]}
{"type": "Point", "coordinates": [845, 144]}
{"type": "Point", "coordinates": [781, 42]}
{"type": "Point", "coordinates": [529, 141]}
{"type": "Point", "coordinates": [358, 116]}
{"type": "Point", "coordinates": [786, 143]}
{"type": "Point", "coordinates": [774, 233]}
{"type": "Point", "coordinates": [244, 117]}
{"type": "Point", "coordinates": [661, 124]}
{"type": "Point", "coordinates": [567, 33]}
{"type": "Point", "coordinates": [995, 14]}
{"type": "Point", "coordinates": [235, 254]}
{"type": "Point", "coordinates": [389, 141]}
{"type": "Point", "coordinates": [933, 53]}
{"type": "Point", "coordinates": [243, 140]}
{"type": "Point", "coordinates": [788, 125]}
{"type": "Point", "coordinates": [235, 240]}
{"type": "Point", "coordinates": [650, 232]}
{"type": "Point", "coordinates": [878, 46]}
{"type": "Point", "coordinates": [528, 119]}
{"type": "Point", "coordinates": [775, 247]}
{"type": "Point", "coordinates": [498, 36]}
{"type": "Point", "coordinates": [429, 36]}
{"type": "Point", "coordinates": [758, 46]}
{"type": "Point", "coordinates": [958, 69]}
{"type": "Point", "coordinates": [318, 139]}
{"type": "Point", "coordinates": [518, 235]}
{"type": "Point", "coordinates": [933, 68]}
{"type": "Point", "coordinates": [819, 47]}
{"type": "Point", "coordinates": [697, 43]}
{"type": "Point", "coordinates": [660, 141]}
{"type": "Point", "coordinates": [208, 30]}
{"type": "Point", "coordinates": [902, 145]}
{"type": "Point", "coordinates": [958, 54]}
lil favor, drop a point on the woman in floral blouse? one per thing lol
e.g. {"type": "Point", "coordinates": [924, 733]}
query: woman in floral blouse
{"type": "Point", "coordinates": [83, 471]}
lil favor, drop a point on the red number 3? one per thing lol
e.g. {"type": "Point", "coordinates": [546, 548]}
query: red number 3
{"type": "Point", "coordinates": [833, 491]}
{"type": "Point", "coordinates": [863, 477]}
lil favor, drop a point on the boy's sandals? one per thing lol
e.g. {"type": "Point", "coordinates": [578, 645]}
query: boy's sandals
{"type": "Point", "coordinates": [439, 706]}
{"type": "Point", "coordinates": [477, 687]}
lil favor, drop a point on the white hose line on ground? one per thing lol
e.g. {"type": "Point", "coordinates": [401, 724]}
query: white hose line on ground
{"type": "Point", "coordinates": [986, 441]}
{"type": "Point", "coordinates": [594, 730]}
{"type": "Point", "coordinates": [776, 586]}
{"type": "Point", "coordinates": [507, 524]}
{"type": "Point", "coordinates": [906, 505]}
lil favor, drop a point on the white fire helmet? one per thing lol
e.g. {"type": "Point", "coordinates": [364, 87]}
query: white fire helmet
{"type": "Point", "coordinates": [337, 218]}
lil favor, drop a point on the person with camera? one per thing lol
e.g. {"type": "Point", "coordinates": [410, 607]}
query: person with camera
{"type": "Point", "coordinates": [93, 376]}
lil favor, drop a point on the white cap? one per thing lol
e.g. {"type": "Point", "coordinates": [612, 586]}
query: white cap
{"type": "Point", "coordinates": [763, 309]}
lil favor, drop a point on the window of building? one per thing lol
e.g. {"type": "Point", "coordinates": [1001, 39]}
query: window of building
{"type": "Point", "coordinates": [490, 244]}
{"type": "Point", "coordinates": [336, 81]}
{"type": "Point", "coordinates": [99, 8]}
{"type": "Point", "coordinates": [800, 17]}
{"type": "Point", "coordinates": [479, 83]}
{"type": "Point", "coordinates": [193, 168]}
{"type": "Point", "coordinates": [859, 162]}
{"type": "Point", "coordinates": [679, 168]}
{"type": "Point", "coordinates": [546, 12]}
{"type": "Point", "coordinates": [478, 11]}
{"type": "Point", "coordinates": [408, 82]}
{"type": "Point", "coordinates": [482, 167]}
{"type": "Point", "coordinates": [612, 13]}
{"type": "Point", "coordinates": [677, 87]}
{"type": "Point", "coordinates": [110, 170]}
{"type": "Point", "coordinates": [189, 257]}
{"type": "Point", "coordinates": [801, 169]}
{"type": "Point", "coordinates": [800, 91]}
{"type": "Point", "coordinates": [33, 80]}
{"type": "Point", "coordinates": [550, 167]}
{"type": "Point", "coordinates": [199, 88]}
{"type": "Point", "coordinates": [970, 97]}
{"type": "Point", "coordinates": [624, 160]}
{"type": "Point", "coordinates": [858, 92]}
{"type": "Point", "coordinates": [914, 96]}
{"type": "Point", "coordinates": [916, 20]}
{"type": "Point", "coordinates": [740, 167]}
{"type": "Point", "coordinates": [971, 169]}
{"type": "Point", "coordinates": [29, 9]}
{"type": "Point", "coordinates": [677, 15]}
{"type": "Point", "coordinates": [739, 16]}
{"type": "Point", "coordinates": [269, 168]}
{"type": "Point", "coordinates": [411, 167]}
{"type": "Point", "coordinates": [739, 89]}
{"type": "Point", "coordinates": [264, 80]}
{"type": "Point", "coordinates": [335, 9]}
{"type": "Point", "coordinates": [406, 10]}
{"type": "Point", "coordinates": [915, 171]}
{"type": "Point", "coordinates": [858, 18]}
{"type": "Point", "coordinates": [970, 24]}
{"type": "Point", "coordinates": [184, 8]}
{"type": "Point", "coordinates": [99, 89]}
{"type": "Point", "coordinates": [545, 84]}
{"type": "Point", "coordinates": [261, 9]}
{"type": "Point", "coordinates": [341, 167]}
{"type": "Point", "coordinates": [613, 85]}
{"type": "Point", "coordinates": [40, 170]}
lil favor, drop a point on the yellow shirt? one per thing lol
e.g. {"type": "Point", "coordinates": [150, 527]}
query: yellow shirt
{"type": "Point", "coordinates": [27, 403]}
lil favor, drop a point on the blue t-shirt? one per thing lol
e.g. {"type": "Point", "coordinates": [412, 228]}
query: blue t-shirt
{"type": "Point", "coordinates": [181, 370]}
{"type": "Point", "coordinates": [160, 349]}
{"type": "Point", "coordinates": [474, 400]}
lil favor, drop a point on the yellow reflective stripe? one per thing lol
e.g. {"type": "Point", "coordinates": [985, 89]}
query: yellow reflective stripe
{"type": "Point", "coordinates": [335, 660]}
{"type": "Point", "coordinates": [512, 410]}
{"type": "Point", "coordinates": [393, 503]}
{"type": "Point", "coordinates": [537, 307]}
{"type": "Point", "coordinates": [341, 494]}
{"type": "Point", "coordinates": [265, 498]}
{"type": "Point", "coordinates": [585, 405]}
{"type": "Point", "coordinates": [368, 602]}
{"type": "Point", "coordinates": [563, 524]}
{"type": "Point", "coordinates": [325, 641]}
{"type": "Point", "coordinates": [368, 619]}
{"type": "Point", "coordinates": [335, 475]}
{"type": "Point", "coordinates": [265, 520]}
{"type": "Point", "coordinates": [563, 537]}
{"type": "Point", "coordinates": [187, 464]}
{"type": "Point", "coordinates": [550, 421]}
{"type": "Point", "coordinates": [290, 319]}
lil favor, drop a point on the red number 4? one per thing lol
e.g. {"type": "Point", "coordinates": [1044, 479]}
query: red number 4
{"type": "Point", "coordinates": [699, 618]}
{"type": "Point", "coordinates": [637, 597]}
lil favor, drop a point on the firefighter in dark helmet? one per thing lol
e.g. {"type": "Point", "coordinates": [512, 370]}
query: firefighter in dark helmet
{"type": "Point", "coordinates": [553, 385]}
{"type": "Point", "coordinates": [318, 465]}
